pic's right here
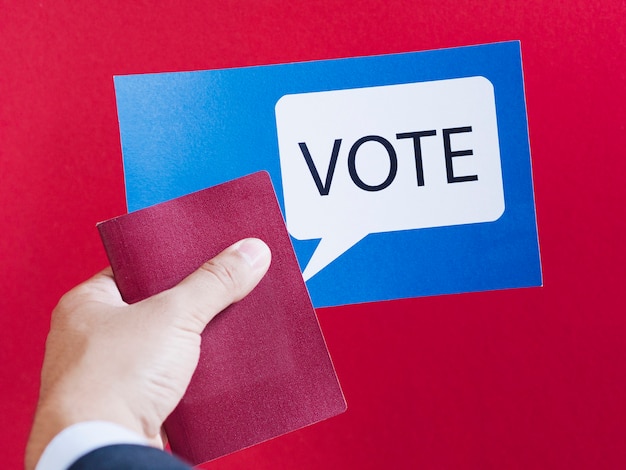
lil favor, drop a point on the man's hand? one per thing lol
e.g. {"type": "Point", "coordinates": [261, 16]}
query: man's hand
{"type": "Point", "coordinates": [131, 364]}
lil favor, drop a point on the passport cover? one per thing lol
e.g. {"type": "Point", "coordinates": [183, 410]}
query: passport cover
{"type": "Point", "coordinates": [264, 369]}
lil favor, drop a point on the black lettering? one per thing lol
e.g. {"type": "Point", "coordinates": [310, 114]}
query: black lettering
{"type": "Point", "coordinates": [449, 154]}
{"type": "Point", "coordinates": [322, 188]}
{"type": "Point", "coordinates": [393, 163]}
{"type": "Point", "coordinates": [417, 148]}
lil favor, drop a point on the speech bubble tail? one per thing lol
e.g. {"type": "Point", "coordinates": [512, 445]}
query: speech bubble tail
{"type": "Point", "coordinates": [329, 249]}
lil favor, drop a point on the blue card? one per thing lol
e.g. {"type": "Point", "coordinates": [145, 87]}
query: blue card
{"type": "Point", "coordinates": [399, 176]}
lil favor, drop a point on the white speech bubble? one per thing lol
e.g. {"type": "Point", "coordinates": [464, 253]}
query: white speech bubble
{"type": "Point", "coordinates": [372, 138]}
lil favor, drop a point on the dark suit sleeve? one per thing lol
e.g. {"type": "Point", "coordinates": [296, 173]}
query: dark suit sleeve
{"type": "Point", "coordinates": [128, 457]}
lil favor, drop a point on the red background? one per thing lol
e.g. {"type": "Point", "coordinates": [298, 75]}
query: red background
{"type": "Point", "coordinates": [531, 378]}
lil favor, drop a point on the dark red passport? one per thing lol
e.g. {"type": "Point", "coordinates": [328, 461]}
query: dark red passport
{"type": "Point", "coordinates": [264, 368]}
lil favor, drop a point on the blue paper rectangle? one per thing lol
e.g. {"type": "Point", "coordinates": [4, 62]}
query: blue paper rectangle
{"type": "Point", "coordinates": [422, 160]}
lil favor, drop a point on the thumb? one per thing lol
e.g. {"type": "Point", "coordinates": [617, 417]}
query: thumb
{"type": "Point", "coordinates": [225, 279]}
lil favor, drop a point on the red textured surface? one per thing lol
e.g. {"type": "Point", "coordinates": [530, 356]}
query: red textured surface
{"type": "Point", "coordinates": [531, 378]}
{"type": "Point", "coordinates": [264, 369]}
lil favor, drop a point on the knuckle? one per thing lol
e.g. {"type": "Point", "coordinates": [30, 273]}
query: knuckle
{"type": "Point", "coordinates": [66, 304]}
{"type": "Point", "coordinates": [224, 275]}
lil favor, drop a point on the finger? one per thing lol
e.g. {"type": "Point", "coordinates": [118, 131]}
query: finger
{"type": "Point", "coordinates": [104, 288]}
{"type": "Point", "coordinates": [225, 279]}
{"type": "Point", "coordinates": [99, 288]}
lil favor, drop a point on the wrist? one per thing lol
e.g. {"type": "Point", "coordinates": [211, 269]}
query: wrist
{"type": "Point", "coordinates": [78, 440]}
{"type": "Point", "coordinates": [61, 408]}
{"type": "Point", "coordinates": [47, 424]}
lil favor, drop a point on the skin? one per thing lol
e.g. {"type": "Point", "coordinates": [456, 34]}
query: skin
{"type": "Point", "coordinates": [131, 364]}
